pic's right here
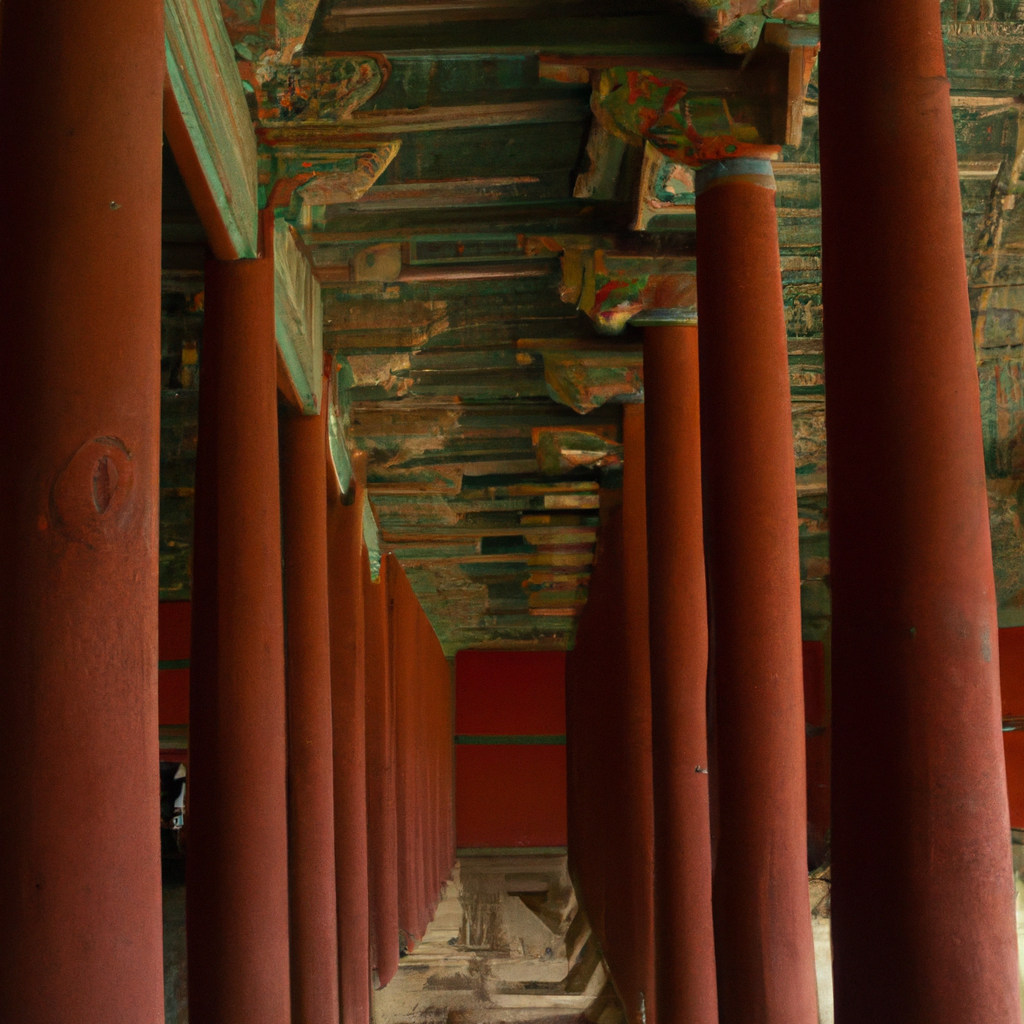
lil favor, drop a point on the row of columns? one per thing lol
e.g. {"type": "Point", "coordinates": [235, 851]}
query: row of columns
{"type": "Point", "coordinates": [922, 911]}
{"type": "Point", "coordinates": [283, 823]}
{"type": "Point", "coordinates": [608, 740]}
{"type": "Point", "coordinates": [287, 710]}
{"type": "Point", "coordinates": [424, 779]}
{"type": "Point", "coordinates": [922, 895]}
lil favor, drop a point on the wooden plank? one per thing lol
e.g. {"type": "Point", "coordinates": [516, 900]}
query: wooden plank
{"type": "Point", "coordinates": [213, 140]}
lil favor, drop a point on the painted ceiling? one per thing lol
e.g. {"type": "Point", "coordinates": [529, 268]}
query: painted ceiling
{"type": "Point", "coordinates": [493, 195]}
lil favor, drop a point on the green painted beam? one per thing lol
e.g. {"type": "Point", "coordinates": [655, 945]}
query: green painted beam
{"type": "Point", "coordinates": [209, 96]}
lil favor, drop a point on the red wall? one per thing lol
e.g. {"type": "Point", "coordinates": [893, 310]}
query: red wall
{"type": "Point", "coordinates": [1011, 672]}
{"type": "Point", "coordinates": [174, 644]}
{"type": "Point", "coordinates": [510, 794]}
{"type": "Point", "coordinates": [514, 795]}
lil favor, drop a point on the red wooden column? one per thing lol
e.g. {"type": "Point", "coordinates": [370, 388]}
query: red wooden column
{"type": "Point", "coordinates": [312, 894]}
{"type": "Point", "coordinates": [629, 864]}
{"type": "Point", "coordinates": [80, 924]}
{"type": "Point", "coordinates": [404, 667]}
{"type": "Point", "coordinates": [348, 688]}
{"type": "Point", "coordinates": [684, 929]}
{"type": "Point", "coordinates": [380, 776]}
{"type": "Point", "coordinates": [399, 623]}
{"type": "Point", "coordinates": [923, 918]}
{"type": "Point", "coordinates": [237, 860]}
{"type": "Point", "coordinates": [608, 724]}
{"type": "Point", "coordinates": [763, 945]}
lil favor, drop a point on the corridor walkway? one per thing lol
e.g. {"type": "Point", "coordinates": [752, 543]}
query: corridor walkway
{"type": "Point", "coordinates": [508, 945]}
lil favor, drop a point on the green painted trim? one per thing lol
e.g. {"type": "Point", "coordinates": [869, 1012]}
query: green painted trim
{"type": "Point", "coordinates": [525, 741]}
{"type": "Point", "coordinates": [207, 87]}
{"type": "Point", "coordinates": [181, 663]}
{"type": "Point", "coordinates": [371, 537]}
{"type": "Point", "coordinates": [339, 450]}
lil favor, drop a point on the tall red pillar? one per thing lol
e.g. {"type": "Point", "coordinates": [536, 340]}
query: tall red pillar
{"type": "Point", "coordinates": [923, 918]}
{"type": "Point", "coordinates": [408, 740]}
{"type": "Point", "coordinates": [608, 727]}
{"type": "Point", "coordinates": [312, 891]}
{"type": "Point", "coordinates": [237, 856]}
{"type": "Point", "coordinates": [763, 944]}
{"type": "Point", "coordinates": [684, 929]}
{"type": "Point", "coordinates": [348, 687]}
{"type": "Point", "coordinates": [80, 923]}
{"type": "Point", "coordinates": [632, 911]}
{"type": "Point", "coordinates": [382, 825]}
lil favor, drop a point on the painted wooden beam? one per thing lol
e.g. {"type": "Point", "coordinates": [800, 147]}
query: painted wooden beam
{"type": "Point", "coordinates": [340, 459]}
{"type": "Point", "coordinates": [208, 126]}
{"type": "Point", "coordinates": [372, 539]}
{"type": "Point", "coordinates": [298, 313]}
{"type": "Point", "coordinates": [387, 123]}
{"type": "Point", "coordinates": [346, 16]}
{"type": "Point", "coordinates": [573, 28]}
{"type": "Point", "coordinates": [300, 173]}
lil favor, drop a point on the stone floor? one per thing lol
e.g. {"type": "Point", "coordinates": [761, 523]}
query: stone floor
{"type": "Point", "coordinates": [508, 945]}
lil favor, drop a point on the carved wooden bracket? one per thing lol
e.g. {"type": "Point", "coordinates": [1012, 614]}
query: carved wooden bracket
{"type": "Point", "coordinates": [687, 127]}
{"type": "Point", "coordinates": [612, 287]}
{"type": "Point", "coordinates": [309, 168]}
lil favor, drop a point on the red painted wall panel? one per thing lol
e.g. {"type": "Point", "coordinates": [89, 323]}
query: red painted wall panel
{"type": "Point", "coordinates": [1011, 670]}
{"type": "Point", "coordinates": [175, 638]}
{"type": "Point", "coordinates": [175, 630]}
{"type": "Point", "coordinates": [510, 693]}
{"type": "Point", "coordinates": [1011, 676]}
{"type": "Point", "coordinates": [510, 795]}
{"type": "Point", "coordinates": [173, 696]}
